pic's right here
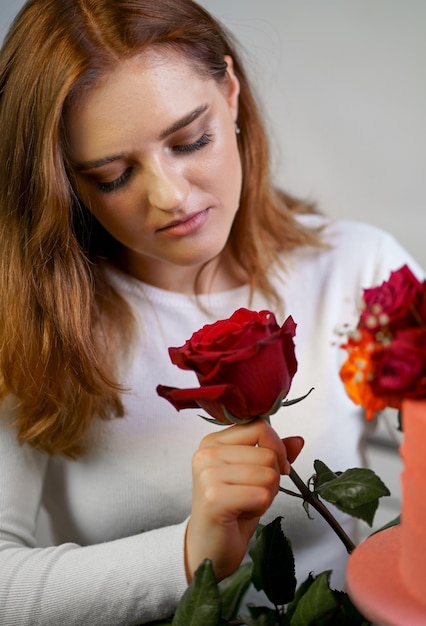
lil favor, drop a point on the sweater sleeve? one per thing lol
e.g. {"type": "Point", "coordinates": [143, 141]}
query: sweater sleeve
{"type": "Point", "coordinates": [120, 582]}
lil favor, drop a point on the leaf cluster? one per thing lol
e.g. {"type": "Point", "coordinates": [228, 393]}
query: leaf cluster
{"type": "Point", "coordinates": [314, 603]}
{"type": "Point", "coordinates": [272, 570]}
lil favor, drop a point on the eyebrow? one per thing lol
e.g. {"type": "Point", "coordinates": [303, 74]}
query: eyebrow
{"type": "Point", "coordinates": [184, 121]}
{"type": "Point", "coordinates": [180, 123]}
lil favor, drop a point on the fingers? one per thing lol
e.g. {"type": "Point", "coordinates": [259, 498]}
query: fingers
{"type": "Point", "coordinates": [237, 502]}
{"type": "Point", "coordinates": [255, 434]}
{"type": "Point", "coordinates": [232, 477]}
{"type": "Point", "coordinates": [260, 434]}
{"type": "Point", "coordinates": [226, 455]}
{"type": "Point", "coordinates": [220, 485]}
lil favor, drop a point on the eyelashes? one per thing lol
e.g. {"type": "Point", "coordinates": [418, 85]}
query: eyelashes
{"type": "Point", "coordinates": [203, 141]}
{"type": "Point", "coordinates": [114, 184]}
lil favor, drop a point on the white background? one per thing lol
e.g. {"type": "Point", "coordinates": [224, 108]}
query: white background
{"type": "Point", "coordinates": [343, 83]}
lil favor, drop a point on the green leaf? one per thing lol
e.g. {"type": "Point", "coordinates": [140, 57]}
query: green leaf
{"type": "Point", "coordinates": [200, 604]}
{"type": "Point", "coordinates": [323, 474]}
{"type": "Point", "coordinates": [273, 564]}
{"type": "Point", "coordinates": [259, 529]}
{"type": "Point", "coordinates": [348, 614]}
{"type": "Point", "coordinates": [232, 590]}
{"type": "Point", "coordinates": [300, 591]}
{"type": "Point", "coordinates": [317, 604]}
{"type": "Point", "coordinates": [355, 491]}
{"type": "Point", "coordinates": [260, 616]}
{"type": "Point", "coordinates": [365, 512]}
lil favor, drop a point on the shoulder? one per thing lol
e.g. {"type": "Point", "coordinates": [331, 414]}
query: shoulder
{"type": "Point", "coordinates": [353, 246]}
{"type": "Point", "coordinates": [347, 232]}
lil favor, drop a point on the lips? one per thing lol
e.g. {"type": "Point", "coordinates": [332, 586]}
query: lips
{"type": "Point", "coordinates": [188, 225]}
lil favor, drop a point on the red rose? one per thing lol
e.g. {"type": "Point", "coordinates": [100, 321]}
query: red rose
{"type": "Point", "coordinates": [400, 368]}
{"type": "Point", "coordinates": [421, 307]}
{"type": "Point", "coordinates": [392, 303]}
{"type": "Point", "coordinates": [244, 364]}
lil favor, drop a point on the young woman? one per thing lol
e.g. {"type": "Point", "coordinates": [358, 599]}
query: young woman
{"type": "Point", "coordinates": [135, 206]}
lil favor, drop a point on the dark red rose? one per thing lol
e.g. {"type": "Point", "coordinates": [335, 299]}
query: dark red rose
{"type": "Point", "coordinates": [244, 364]}
{"type": "Point", "coordinates": [421, 307]}
{"type": "Point", "coordinates": [393, 304]}
{"type": "Point", "coordinates": [400, 368]}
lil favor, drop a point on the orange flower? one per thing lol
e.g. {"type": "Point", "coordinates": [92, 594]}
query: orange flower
{"type": "Point", "coordinates": [357, 372]}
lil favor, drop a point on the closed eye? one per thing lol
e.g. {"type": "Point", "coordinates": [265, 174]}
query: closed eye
{"type": "Point", "coordinates": [204, 140]}
{"type": "Point", "coordinates": [114, 184]}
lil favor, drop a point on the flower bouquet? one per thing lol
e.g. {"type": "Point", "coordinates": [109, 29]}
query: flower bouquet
{"type": "Point", "coordinates": [232, 360]}
{"type": "Point", "coordinates": [387, 351]}
{"type": "Point", "coordinates": [386, 367]}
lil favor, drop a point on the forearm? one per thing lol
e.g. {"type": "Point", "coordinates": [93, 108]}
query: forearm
{"type": "Point", "coordinates": [127, 581]}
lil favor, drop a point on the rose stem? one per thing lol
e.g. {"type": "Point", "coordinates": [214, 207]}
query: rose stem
{"type": "Point", "coordinates": [314, 501]}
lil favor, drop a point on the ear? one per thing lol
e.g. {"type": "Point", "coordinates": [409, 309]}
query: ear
{"type": "Point", "coordinates": [232, 87]}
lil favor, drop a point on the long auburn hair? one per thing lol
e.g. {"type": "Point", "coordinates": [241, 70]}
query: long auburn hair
{"type": "Point", "coordinates": [62, 324]}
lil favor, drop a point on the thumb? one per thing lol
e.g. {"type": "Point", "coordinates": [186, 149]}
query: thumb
{"type": "Point", "coordinates": [293, 446]}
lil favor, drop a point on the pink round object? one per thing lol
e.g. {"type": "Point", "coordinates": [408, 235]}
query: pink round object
{"type": "Point", "coordinates": [375, 584]}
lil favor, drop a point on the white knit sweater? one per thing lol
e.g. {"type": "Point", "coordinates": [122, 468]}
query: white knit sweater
{"type": "Point", "coordinates": [100, 568]}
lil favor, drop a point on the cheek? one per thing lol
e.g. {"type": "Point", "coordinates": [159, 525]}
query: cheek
{"type": "Point", "coordinates": [105, 207]}
{"type": "Point", "coordinates": [114, 216]}
{"type": "Point", "coordinates": [227, 171]}
{"type": "Point", "coordinates": [234, 177]}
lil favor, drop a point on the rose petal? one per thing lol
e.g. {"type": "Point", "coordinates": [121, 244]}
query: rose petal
{"type": "Point", "coordinates": [211, 399]}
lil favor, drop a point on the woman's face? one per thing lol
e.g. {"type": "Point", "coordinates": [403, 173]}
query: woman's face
{"type": "Point", "coordinates": [155, 158]}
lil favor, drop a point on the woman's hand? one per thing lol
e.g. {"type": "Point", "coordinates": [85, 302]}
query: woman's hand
{"type": "Point", "coordinates": [236, 474]}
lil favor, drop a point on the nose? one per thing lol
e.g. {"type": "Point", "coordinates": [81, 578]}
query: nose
{"type": "Point", "coordinates": [166, 186]}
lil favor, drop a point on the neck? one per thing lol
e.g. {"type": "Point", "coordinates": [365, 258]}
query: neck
{"type": "Point", "coordinates": [219, 274]}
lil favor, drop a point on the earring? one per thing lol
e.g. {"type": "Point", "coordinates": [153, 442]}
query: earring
{"type": "Point", "coordinates": [237, 129]}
